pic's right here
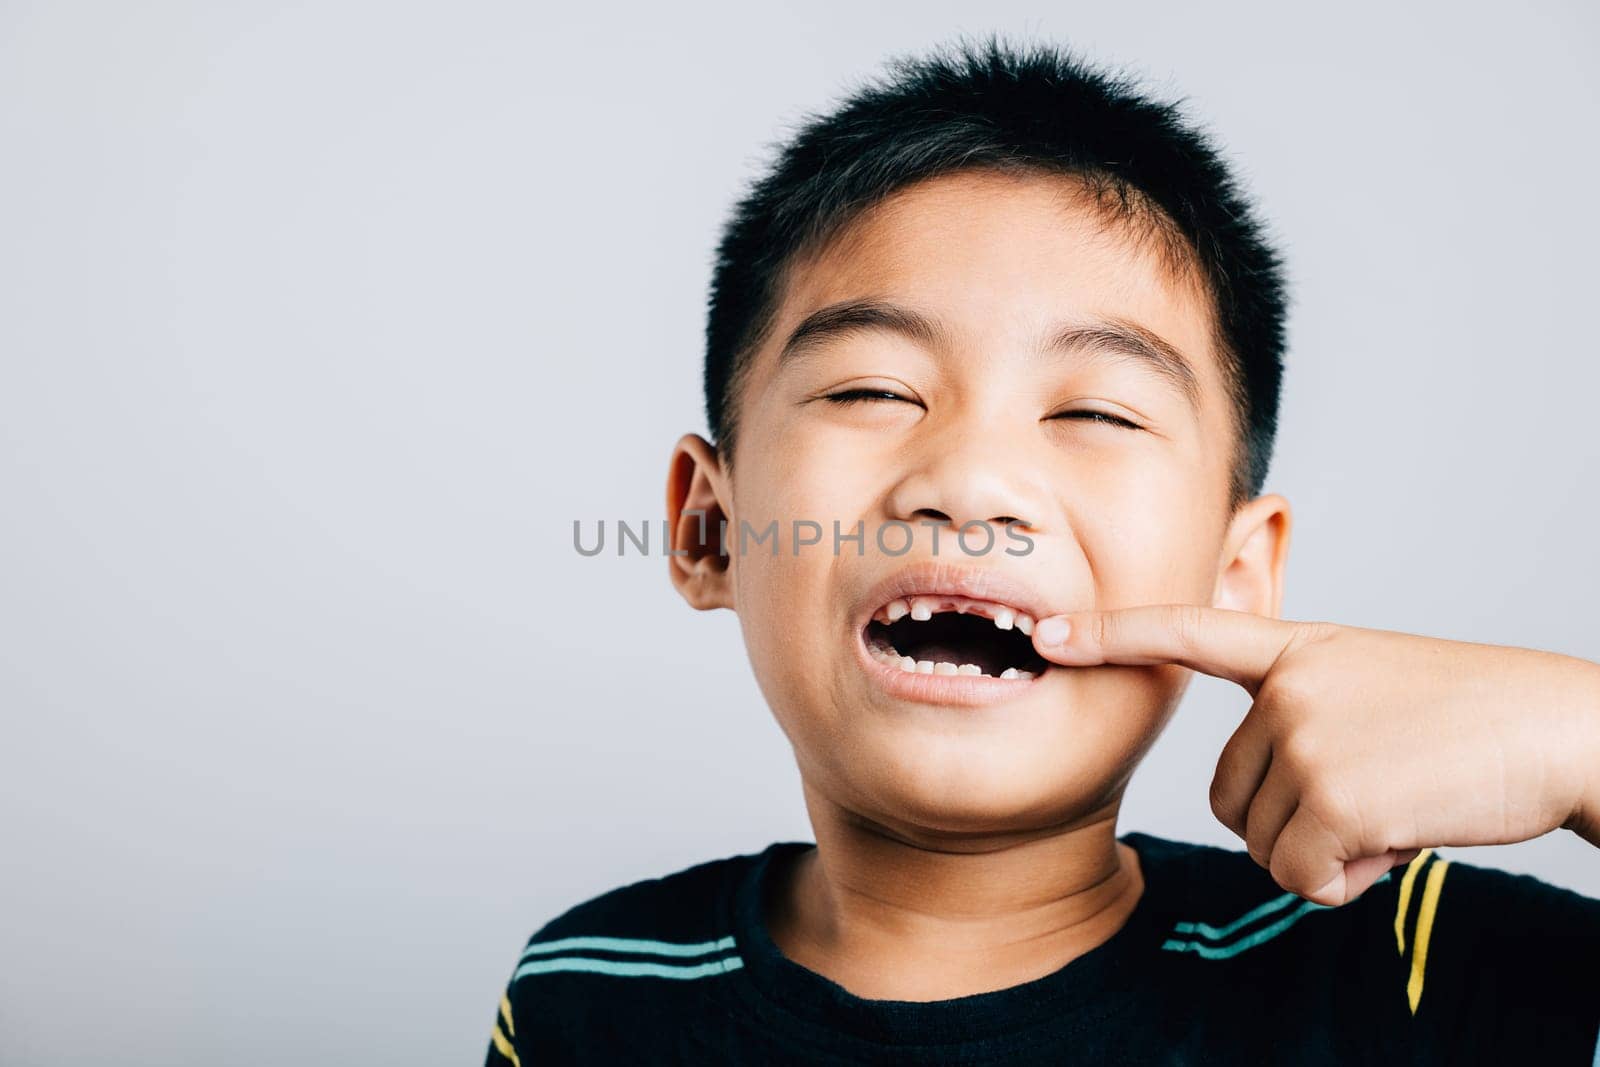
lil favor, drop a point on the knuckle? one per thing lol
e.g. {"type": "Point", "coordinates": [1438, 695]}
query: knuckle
{"type": "Point", "coordinates": [1285, 691]}
{"type": "Point", "coordinates": [1186, 626]}
{"type": "Point", "coordinates": [1287, 873]}
{"type": "Point", "coordinates": [1317, 632]}
{"type": "Point", "coordinates": [1332, 807]}
{"type": "Point", "coordinates": [1267, 718]}
{"type": "Point", "coordinates": [1100, 626]}
{"type": "Point", "coordinates": [1301, 752]}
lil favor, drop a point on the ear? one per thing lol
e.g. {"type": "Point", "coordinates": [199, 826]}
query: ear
{"type": "Point", "coordinates": [696, 512]}
{"type": "Point", "coordinates": [1254, 554]}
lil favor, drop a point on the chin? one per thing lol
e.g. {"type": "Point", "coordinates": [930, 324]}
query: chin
{"type": "Point", "coordinates": [963, 788]}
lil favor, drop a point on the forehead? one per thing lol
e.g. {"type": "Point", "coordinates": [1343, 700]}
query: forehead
{"type": "Point", "coordinates": [999, 256]}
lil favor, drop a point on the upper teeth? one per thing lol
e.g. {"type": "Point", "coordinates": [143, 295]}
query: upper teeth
{"type": "Point", "coordinates": [922, 608]}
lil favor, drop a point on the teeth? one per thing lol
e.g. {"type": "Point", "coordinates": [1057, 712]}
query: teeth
{"type": "Point", "coordinates": [942, 667]}
{"type": "Point", "coordinates": [921, 609]}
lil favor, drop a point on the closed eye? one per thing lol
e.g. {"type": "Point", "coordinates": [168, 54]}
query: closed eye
{"type": "Point", "coordinates": [854, 396]}
{"type": "Point", "coordinates": [1097, 416]}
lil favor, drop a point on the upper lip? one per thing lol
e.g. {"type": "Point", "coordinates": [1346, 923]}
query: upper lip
{"type": "Point", "coordinates": [935, 578]}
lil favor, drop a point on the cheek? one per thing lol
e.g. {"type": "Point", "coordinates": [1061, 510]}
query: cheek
{"type": "Point", "coordinates": [789, 628]}
{"type": "Point", "coordinates": [1123, 707]}
{"type": "Point", "coordinates": [1152, 540]}
{"type": "Point", "coordinates": [818, 477]}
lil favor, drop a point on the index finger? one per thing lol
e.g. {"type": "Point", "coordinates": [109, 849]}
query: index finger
{"type": "Point", "coordinates": [1240, 646]}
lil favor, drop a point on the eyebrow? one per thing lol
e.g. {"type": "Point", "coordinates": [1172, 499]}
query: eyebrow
{"type": "Point", "coordinates": [1101, 336]}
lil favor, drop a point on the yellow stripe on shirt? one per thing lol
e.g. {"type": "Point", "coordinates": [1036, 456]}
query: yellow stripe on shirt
{"type": "Point", "coordinates": [505, 1013]}
{"type": "Point", "coordinates": [507, 1050]}
{"type": "Point", "coordinates": [1419, 861]}
{"type": "Point", "coordinates": [1419, 954]}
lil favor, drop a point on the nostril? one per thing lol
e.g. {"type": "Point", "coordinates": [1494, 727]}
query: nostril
{"type": "Point", "coordinates": [930, 513]}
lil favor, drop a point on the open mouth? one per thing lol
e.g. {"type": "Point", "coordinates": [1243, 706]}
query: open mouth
{"type": "Point", "coordinates": [943, 634]}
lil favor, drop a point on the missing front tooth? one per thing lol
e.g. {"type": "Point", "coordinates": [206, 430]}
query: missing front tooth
{"type": "Point", "coordinates": [958, 638]}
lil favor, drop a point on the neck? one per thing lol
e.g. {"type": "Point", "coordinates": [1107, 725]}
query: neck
{"type": "Point", "coordinates": [935, 918]}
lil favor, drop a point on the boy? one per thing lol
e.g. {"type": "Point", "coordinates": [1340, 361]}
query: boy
{"type": "Point", "coordinates": [1002, 292]}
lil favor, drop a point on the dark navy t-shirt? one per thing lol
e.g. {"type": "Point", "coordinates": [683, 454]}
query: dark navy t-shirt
{"type": "Point", "coordinates": [1439, 962]}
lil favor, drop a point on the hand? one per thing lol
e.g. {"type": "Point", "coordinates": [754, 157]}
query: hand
{"type": "Point", "coordinates": [1363, 747]}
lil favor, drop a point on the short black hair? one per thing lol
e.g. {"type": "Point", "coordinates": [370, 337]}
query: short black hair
{"type": "Point", "coordinates": [1033, 109]}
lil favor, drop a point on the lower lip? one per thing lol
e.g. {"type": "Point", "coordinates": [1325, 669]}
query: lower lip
{"type": "Point", "coordinates": [961, 690]}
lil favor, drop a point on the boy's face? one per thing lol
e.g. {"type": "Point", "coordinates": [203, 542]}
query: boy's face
{"type": "Point", "coordinates": [989, 427]}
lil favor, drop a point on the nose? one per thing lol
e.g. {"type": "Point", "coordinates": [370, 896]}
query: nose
{"type": "Point", "coordinates": [972, 473]}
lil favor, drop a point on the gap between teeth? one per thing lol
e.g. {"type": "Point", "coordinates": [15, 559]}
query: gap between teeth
{"type": "Point", "coordinates": [928, 666]}
{"type": "Point", "coordinates": [921, 609]}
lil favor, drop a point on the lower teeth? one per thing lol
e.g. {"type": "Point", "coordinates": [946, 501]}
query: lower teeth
{"type": "Point", "coordinates": [913, 666]}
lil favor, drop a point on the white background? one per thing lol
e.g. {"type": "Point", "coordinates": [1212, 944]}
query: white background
{"type": "Point", "coordinates": [319, 324]}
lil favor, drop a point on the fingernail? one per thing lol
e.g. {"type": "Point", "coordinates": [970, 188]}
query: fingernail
{"type": "Point", "coordinates": [1053, 631]}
